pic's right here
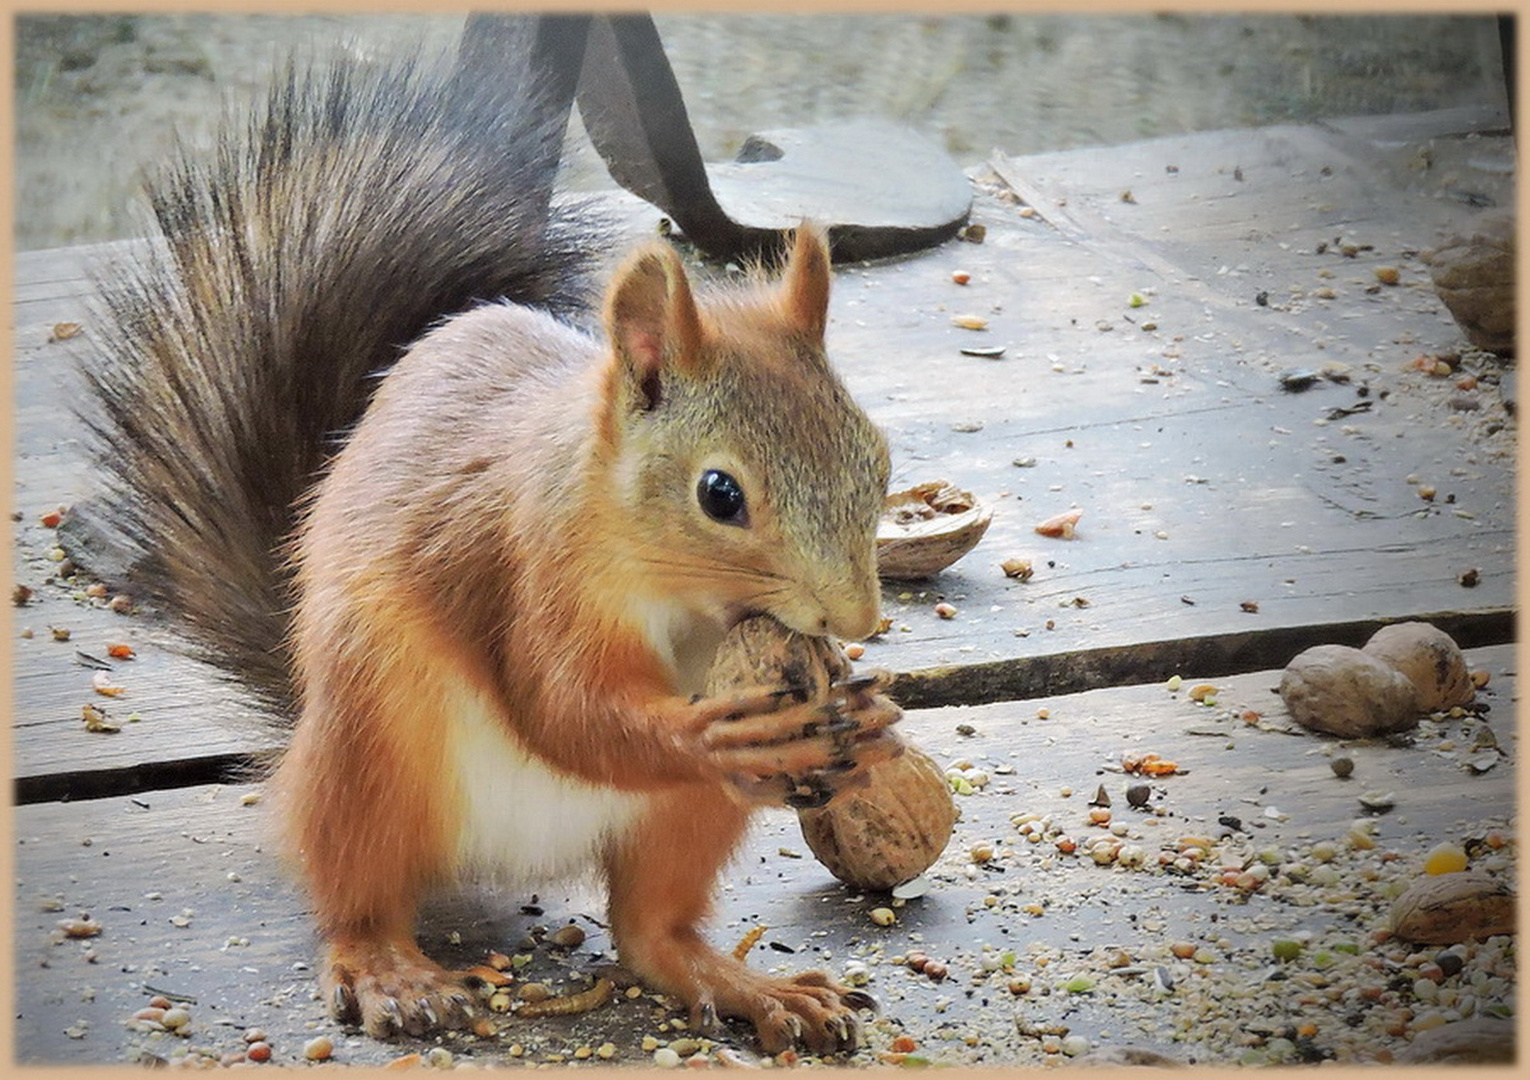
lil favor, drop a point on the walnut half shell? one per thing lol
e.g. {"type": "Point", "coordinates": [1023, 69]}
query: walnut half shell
{"type": "Point", "coordinates": [926, 528]}
{"type": "Point", "coordinates": [1442, 909]}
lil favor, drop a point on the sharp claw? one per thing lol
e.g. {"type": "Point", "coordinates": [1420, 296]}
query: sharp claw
{"type": "Point", "coordinates": [428, 1012]}
{"type": "Point", "coordinates": [708, 1020]}
{"type": "Point", "coordinates": [860, 999]}
{"type": "Point", "coordinates": [343, 1003]}
{"type": "Point", "coordinates": [794, 1025]}
{"type": "Point", "coordinates": [393, 1014]}
{"type": "Point", "coordinates": [854, 683]}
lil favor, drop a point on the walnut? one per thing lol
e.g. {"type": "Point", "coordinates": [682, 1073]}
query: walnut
{"type": "Point", "coordinates": [1430, 659]}
{"type": "Point", "coordinates": [888, 832]}
{"type": "Point", "coordinates": [1346, 692]}
{"type": "Point", "coordinates": [1473, 271]}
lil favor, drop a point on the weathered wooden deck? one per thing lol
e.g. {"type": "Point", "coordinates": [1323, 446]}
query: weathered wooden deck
{"type": "Point", "coordinates": [1204, 487]}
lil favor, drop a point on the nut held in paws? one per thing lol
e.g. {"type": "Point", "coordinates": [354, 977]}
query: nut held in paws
{"type": "Point", "coordinates": [888, 832]}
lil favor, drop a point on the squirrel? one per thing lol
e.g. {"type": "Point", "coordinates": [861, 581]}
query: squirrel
{"type": "Point", "coordinates": [363, 434]}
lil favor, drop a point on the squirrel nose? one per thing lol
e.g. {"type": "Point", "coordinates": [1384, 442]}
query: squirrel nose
{"type": "Point", "coordinates": [853, 620]}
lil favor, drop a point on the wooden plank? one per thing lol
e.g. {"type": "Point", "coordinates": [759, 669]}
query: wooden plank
{"type": "Point", "coordinates": [244, 950]}
{"type": "Point", "coordinates": [176, 718]}
{"type": "Point", "coordinates": [1199, 479]}
{"type": "Point", "coordinates": [1197, 475]}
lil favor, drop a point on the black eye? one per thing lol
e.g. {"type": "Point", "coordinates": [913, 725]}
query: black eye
{"type": "Point", "coordinates": [721, 497]}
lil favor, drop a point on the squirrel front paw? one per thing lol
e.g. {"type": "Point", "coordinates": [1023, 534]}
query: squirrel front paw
{"type": "Point", "coordinates": [776, 748]}
{"type": "Point", "coordinates": [391, 989]}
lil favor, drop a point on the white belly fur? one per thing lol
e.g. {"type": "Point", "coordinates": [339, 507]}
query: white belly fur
{"type": "Point", "coordinates": [524, 822]}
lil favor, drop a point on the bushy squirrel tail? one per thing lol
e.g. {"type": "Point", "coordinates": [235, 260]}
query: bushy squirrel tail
{"type": "Point", "coordinates": [362, 204]}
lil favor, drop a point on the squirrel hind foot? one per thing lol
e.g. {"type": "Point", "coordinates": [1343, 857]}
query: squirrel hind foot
{"type": "Point", "coordinates": [391, 989]}
{"type": "Point", "coordinates": [809, 1010]}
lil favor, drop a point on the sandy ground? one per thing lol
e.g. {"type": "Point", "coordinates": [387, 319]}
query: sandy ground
{"type": "Point", "coordinates": [99, 97]}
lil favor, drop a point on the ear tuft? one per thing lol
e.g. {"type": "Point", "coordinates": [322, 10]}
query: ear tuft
{"type": "Point", "coordinates": [651, 320]}
{"type": "Point", "coordinates": [805, 282]}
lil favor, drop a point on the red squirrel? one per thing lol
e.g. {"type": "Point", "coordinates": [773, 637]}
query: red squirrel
{"type": "Point", "coordinates": [487, 572]}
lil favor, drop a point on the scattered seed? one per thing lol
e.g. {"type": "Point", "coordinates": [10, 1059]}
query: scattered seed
{"type": "Point", "coordinates": [489, 976]}
{"type": "Point", "coordinates": [101, 683]}
{"type": "Point", "coordinates": [1020, 569]}
{"type": "Point", "coordinates": [945, 610]}
{"type": "Point", "coordinates": [1074, 1045]}
{"type": "Point", "coordinates": [1286, 950]}
{"type": "Point", "coordinates": [96, 720]}
{"type": "Point", "coordinates": [1061, 526]}
{"type": "Point", "coordinates": [883, 916]}
{"type": "Point", "coordinates": [1378, 800]}
{"type": "Point", "coordinates": [1445, 858]}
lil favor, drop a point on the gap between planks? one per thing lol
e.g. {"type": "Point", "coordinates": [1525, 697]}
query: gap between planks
{"type": "Point", "coordinates": [1206, 657]}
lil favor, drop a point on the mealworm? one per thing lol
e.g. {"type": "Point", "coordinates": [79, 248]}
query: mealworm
{"type": "Point", "coordinates": [590, 999]}
{"type": "Point", "coordinates": [747, 942]}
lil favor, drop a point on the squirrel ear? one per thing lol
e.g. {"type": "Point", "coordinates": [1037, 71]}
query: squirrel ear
{"type": "Point", "coordinates": [651, 320]}
{"type": "Point", "coordinates": [805, 295]}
